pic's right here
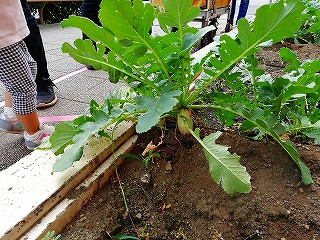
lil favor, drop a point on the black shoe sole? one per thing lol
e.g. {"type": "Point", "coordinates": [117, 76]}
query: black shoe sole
{"type": "Point", "coordinates": [43, 105]}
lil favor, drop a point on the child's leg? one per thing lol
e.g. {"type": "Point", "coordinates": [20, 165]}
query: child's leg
{"type": "Point", "coordinates": [24, 120]}
{"type": "Point", "coordinates": [17, 72]}
{"type": "Point", "coordinates": [30, 122]}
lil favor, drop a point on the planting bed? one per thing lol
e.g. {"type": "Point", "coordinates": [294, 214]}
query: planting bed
{"type": "Point", "coordinates": [175, 197]}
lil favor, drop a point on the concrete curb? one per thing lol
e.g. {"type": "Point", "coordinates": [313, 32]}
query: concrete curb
{"type": "Point", "coordinates": [29, 191]}
{"type": "Point", "coordinates": [66, 210]}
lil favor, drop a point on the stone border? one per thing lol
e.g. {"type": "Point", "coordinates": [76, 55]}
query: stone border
{"type": "Point", "coordinates": [64, 212]}
{"type": "Point", "coordinates": [28, 190]}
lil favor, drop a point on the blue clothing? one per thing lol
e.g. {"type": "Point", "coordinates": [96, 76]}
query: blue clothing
{"type": "Point", "coordinates": [243, 8]}
{"type": "Point", "coordinates": [90, 9]}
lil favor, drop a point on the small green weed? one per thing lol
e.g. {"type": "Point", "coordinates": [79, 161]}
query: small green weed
{"type": "Point", "coordinates": [143, 232]}
{"type": "Point", "coordinates": [146, 160]}
{"type": "Point", "coordinates": [150, 157]}
{"type": "Point", "coordinates": [51, 236]}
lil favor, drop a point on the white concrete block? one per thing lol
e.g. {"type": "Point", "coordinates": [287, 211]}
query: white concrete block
{"type": "Point", "coordinates": [66, 210]}
{"type": "Point", "coordinates": [28, 190]}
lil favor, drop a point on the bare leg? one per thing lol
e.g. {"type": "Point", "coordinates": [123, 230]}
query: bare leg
{"type": "Point", "coordinates": [30, 122]}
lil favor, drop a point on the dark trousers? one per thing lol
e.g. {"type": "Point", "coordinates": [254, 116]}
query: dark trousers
{"type": "Point", "coordinates": [35, 45]}
{"type": "Point", "coordinates": [90, 9]}
{"type": "Point", "coordinates": [243, 8]}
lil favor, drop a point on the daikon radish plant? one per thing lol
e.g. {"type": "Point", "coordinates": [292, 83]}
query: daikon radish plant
{"type": "Point", "coordinates": [163, 81]}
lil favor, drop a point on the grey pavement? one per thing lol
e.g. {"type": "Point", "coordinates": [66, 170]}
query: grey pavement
{"type": "Point", "coordinates": [75, 92]}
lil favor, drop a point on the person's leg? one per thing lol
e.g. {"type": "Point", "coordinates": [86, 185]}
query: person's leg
{"type": "Point", "coordinates": [45, 93]}
{"type": "Point", "coordinates": [243, 8]}
{"type": "Point", "coordinates": [20, 85]}
{"type": "Point", "coordinates": [232, 12]}
{"type": "Point", "coordinates": [17, 72]}
{"type": "Point", "coordinates": [34, 43]}
{"type": "Point", "coordinates": [230, 16]}
{"type": "Point", "coordinates": [22, 121]}
{"type": "Point", "coordinates": [90, 9]}
{"type": "Point", "coordinates": [8, 120]}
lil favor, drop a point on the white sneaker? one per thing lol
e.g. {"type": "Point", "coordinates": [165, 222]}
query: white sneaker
{"type": "Point", "coordinates": [10, 125]}
{"type": "Point", "coordinates": [34, 140]}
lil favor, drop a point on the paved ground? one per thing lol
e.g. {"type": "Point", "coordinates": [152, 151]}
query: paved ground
{"type": "Point", "coordinates": [76, 86]}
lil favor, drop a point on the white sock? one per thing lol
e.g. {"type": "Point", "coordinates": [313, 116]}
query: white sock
{"type": "Point", "coordinates": [8, 111]}
{"type": "Point", "coordinates": [33, 136]}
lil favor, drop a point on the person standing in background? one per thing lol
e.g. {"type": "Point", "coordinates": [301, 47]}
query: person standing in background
{"type": "Point", "coordinates": [90, 9]}
{"type": "Point", "coordinates": [45, 93]}
{"type": "Point", "coordinates": [243, 8]}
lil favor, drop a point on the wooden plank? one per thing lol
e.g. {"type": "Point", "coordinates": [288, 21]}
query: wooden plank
{"type": "Point", "coordinates": [28, 190]}
{"type": "Point", "coordinates": [64, 212]}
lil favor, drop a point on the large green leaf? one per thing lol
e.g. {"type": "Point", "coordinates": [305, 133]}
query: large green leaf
{"type": "Point", "coordinates": [84, 52]}
{"type": "Point", "coordinates": [272, 22]}
{"type": "Point", "coordinates": [290, 57]}
{"type": "Point", "coordinates": [62, 136]}
{"type": "Point", "coordinates": [290, 149]}
{"type": "Point", "coordinates": [75, 144]}
{"type": "Point", "coordinates": [272, 127]}
{"type": "Point", "coordinates": [178, 13]}
{"type": "Point", "coordinates": [155, 108]}
{"type": "Point", "coordinates": [92, 30]}
{"type": "Point", "coordinates": [122, 237]}
{"type": "Point", "coordinates": [66, 160]}
{"type": "Point", "coordinates": [121, 59]}
{"type": "Point", "coordinates": [224, 167]}
{"type": "Point", "coordinates": [127, 20]}
{"type": "Point", "coordinates": [123, 23]}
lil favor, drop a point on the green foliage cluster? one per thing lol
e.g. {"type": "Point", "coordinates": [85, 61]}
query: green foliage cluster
{"type": "Point", "coordinates": [310, 28]}
{"type": "Point", "coordinates": [162, 81]}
